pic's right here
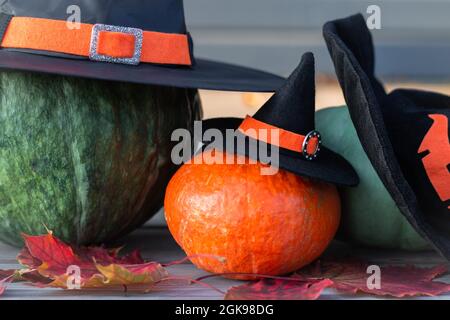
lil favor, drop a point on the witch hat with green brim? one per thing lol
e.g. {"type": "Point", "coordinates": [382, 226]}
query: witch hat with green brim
{"type": "Point", "coordinates": [291, 111]}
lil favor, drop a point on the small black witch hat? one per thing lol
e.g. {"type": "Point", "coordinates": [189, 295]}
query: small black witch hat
{"type": "Point", "coordinates": [291, 111]}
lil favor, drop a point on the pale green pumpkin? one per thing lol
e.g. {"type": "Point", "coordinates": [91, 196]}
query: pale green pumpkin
{"type": "Point", "coordinates": [369, 214]}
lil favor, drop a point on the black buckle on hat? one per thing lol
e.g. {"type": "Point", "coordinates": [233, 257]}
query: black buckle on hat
{"type": "Point", "coordinates": [137, 33]}
{"type": "Point", "coordinates": [308, 137]}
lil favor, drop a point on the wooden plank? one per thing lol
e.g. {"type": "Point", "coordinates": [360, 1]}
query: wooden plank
{"type": "Point", "coordinates": [157, 245]}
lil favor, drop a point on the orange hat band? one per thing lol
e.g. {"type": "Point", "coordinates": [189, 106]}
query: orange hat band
{"type": "Point", "coordinates": [98, 42]}
{"type": "Point", "coordinates": [308, 145]}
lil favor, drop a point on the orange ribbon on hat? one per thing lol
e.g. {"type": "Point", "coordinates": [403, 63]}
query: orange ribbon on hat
{"type": "Point", "coordinates": [436, 162]}
{"type": "Point", "coordinates": [308, 145]}
{"type": "Point", "coordinates": [56, 36]}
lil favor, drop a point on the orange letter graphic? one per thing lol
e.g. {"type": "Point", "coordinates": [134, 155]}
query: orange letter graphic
{"type": "Point", "coordinates": [436, 163]}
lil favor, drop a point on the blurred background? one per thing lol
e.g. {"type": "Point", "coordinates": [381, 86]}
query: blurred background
{"type": "Point", "coordinates": [412, 45]}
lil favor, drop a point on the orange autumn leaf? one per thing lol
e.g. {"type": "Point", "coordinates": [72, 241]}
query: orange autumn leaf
{"type": "Point", "coordinates": [126, 275]}
{"type": "Point", "coordinates": [139, 277]}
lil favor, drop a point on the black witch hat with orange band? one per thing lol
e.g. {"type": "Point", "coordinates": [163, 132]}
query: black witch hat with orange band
{"type": "Point", "coordinates": [405, 133]}
{"type": "Point", "coordinates": [291, 112]}
{"type": "Point", "coordinates": [137, 41]}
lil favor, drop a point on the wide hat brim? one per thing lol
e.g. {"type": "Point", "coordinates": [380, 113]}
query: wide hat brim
{"type": "Point", "coordinates": [205, 74]}
{"type": "Point", "coordinates": [363, 93]}
{"type": "Point", "coordinates": [328, 167]}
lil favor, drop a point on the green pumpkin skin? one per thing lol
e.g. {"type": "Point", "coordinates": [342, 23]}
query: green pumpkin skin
{"type": "Point", "coordinates": [369, 214]}
{"type": "Point", "coordinates": [87, 159]}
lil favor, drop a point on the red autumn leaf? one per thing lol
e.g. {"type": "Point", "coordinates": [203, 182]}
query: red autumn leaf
{"type": "Point", "coordinates": [48, 253]}
{"type": "Point", "coordinates": [3, 285]}
{"type": "Point", "coordinates": [36, 279]}
{"type": "Point", "coordinates": [397, 281]}
{"type": "Point", "coordinates": [31, 274]}
{"type": "Point", "coordinates": [50, 256]}
{"type": "Point", "coordinates": [105, 256]}
{"type": "Point", "coordinates": [347, 276]}
{"type": "Point", "coordinates": [27, 260]}
{"type": "Point", "coordinates": [9, 276]}
{"type": "Point", "coordinates": [279, 289]}
{"type": "Point", "coordinates": [47, 260]}
{"type": "Point", "coordinates": [6, 273]}
{"type": "Point", "coordinates": [6, 277]}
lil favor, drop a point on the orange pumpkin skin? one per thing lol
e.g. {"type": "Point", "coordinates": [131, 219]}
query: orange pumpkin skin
{"type": "Point", "coordinates": [270, 225]}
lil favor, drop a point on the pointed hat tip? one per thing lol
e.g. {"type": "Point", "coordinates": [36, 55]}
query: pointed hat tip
{"type": "Point", "coordinates": [301, 82]}
{"type": "Point", "coordinates": [305, 67]}
{"type": "Point", "coordinates": [307, 58]}
{"type": "Point", "coordinates": [292, 107]}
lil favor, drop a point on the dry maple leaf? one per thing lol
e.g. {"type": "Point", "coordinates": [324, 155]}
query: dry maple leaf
{"type": "Point", "coordinates": [140, 277]}
{"type": "Point", "coordinates": [278, 289]}
{"type": "Point", "coordinates": [6, 273]}
{"type": "Point", "coordinates": [6, 277]}
{"type": "Point", "coordinates": [48, 258]}
{"type": "Point", "coordinates": [57, 256]}
{"type": "Point", "coordinates": [347, 276]}
{"type": "Point", "coordinates": [127, 275]}
{"type": "Point", "coordinates": [350, 276]}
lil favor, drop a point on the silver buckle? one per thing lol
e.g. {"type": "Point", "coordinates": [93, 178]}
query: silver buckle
{"type": "Point", "coordinates": [309, 136]}
{"type": "Point", "coordinates": [137, 33]}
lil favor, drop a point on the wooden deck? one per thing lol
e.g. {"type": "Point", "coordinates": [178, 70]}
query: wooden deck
{"type": "Point", "coordinates": [157, 245]}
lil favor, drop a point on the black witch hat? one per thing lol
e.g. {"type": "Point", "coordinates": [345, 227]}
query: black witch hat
{"type": "Point", "coordinates": [138, 41]}
{"type": "Point", "coordinates": [405, 133]}
{"type": "Point", "coordinates": [291, 111]}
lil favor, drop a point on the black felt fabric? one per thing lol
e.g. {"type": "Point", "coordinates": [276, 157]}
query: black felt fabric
{"type": "Point", "coordinates": [5, 19]}
{"type": "Point", "coordinates": [292, 108]}
{"type": "Point", "coordinates": [156, 15]}
{"type": "Point", "coordinates": [406, 115]}
{"type": "Point", "coordinates": [391, 128]}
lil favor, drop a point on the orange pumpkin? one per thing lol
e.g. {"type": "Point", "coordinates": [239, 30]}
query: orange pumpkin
{"type": "Point", "coordinates": [258, 224]}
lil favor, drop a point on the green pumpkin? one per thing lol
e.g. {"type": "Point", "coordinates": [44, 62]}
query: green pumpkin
{"type": "Point", "coordinates": [87, 159]}
{"type": "Point", "coordinates": [369, 214]}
